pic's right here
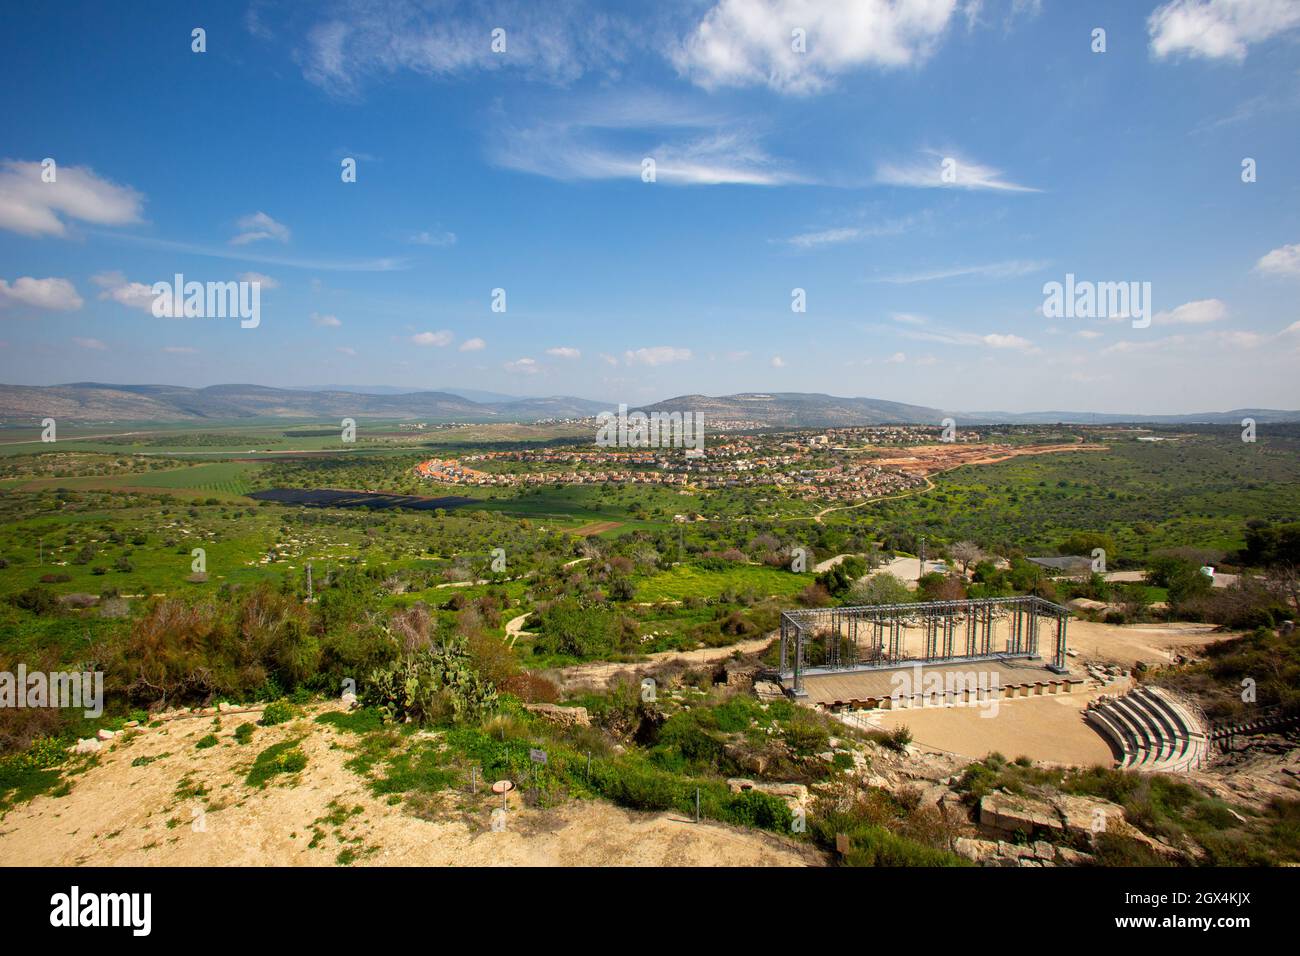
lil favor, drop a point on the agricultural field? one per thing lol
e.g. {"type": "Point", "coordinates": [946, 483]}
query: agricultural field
{"type": "Point", "coordinates": [1193, 489]}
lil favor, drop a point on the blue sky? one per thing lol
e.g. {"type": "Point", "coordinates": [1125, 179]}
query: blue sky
{"type": "Point", "coordinates": [776, 170]}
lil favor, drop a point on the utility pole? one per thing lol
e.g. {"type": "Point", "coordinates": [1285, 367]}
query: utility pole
{"type": "Point", "coordinates": [308, 580]}
{"type": "Point", "coordinates": [922, 567]}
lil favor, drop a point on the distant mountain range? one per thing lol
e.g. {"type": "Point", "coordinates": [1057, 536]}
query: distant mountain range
{"type": "Point", "coordinates": [89, 402]}
{"type": "Point", "coordinates": [93, 402]}
{"type": "Point", "coordinates": [811, 410]}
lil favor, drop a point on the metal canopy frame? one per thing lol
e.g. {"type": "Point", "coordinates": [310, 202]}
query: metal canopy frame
{"type": "Point", "coordinates": [871, 637]}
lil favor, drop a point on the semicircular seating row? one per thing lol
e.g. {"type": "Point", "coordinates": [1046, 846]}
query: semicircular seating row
{"type": "Point", "coordinates": [1152, 729]}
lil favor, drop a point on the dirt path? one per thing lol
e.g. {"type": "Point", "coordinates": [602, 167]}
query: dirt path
{"type": "Point", "coordinates": [120, 814]}
{"type": "Point", "coordinates": [601, 673]}
{"type": "Point", "coordinates": [514, 627]}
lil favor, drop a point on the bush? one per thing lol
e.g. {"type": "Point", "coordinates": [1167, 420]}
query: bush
{"type": "Point", "coordinates": [38, 600]}
{"type": "Point", "coordinates": [432, 686]}
{"type": "Point", "coordinates": [278, 712]}
{"type": "Point", "coordinates": [277, 759]}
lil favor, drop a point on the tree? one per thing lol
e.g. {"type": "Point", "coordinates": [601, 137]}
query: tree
{"type": "Point", "coordinates": [882, 588]}
{"type": "Point", "coordinates": [966, 552]}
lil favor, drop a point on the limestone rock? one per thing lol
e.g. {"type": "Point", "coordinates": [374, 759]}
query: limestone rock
{"type": "Point", "coordinates": [984, 852]}
{"type": "Point", "coordinates": [1009, 814]}
{"type": "Point", "coordinates": [564, 716]}
{"type": "Point", "coordinates": [105, 734]}
{"type": "Point", "coordinates": [88, 745]}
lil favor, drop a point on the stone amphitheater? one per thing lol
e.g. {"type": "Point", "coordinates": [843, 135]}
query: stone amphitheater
{"type": "Point", "coordinates": [1152, 729]}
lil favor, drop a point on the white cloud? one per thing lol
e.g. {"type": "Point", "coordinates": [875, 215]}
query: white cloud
{"type": "Point", "coordinates": [1198, 312]}
{"type": "Point", "coordinates": [258, 226]}
{"type": "Point", "coordinates": [1088, 334]}
{"type": "Point", "coordinates": [1008, 269]}
{"type": "Point", "coordinates": [1282, 261]}
{"type": "Point", "coordinates": [658, 355]}
{"type": "Point", "coordinates": [179, 350]}
{"type": "Point", "coordinates": [998, 341]}
{"type": "Point", "coordinates": [1218, 29]}
{"type": "Point", "coordinates": [32, 207]}
{"type": "Point", "coordinates": [610, 137]}
{"type": "Point", "coordinates": [440, 339]}
{"type": "Point", "coordinates": [907, 318]}
{"type": "Point", "coordinates": [898, 358]}
{"type": "Point", "coordinates": [93, 344]}
{"type": "Point", "coordinates": [439, 240]}
{"type": "Point", "coordinates": [134, 295]}
{"type": "Point", "coordinates": [473, 345]}
{"type": "Point", "coordinates": [927, 171]}
{"type": "Point", "coordinates": [563, 351]}
{"type": "Point", "coordinates": [265, 281]}
{"type": "Point", "coordinates": [777, 362]}
{"type": "Point", "coordinates": [345, 350]}
{"type": "Point", "coordinates": [1241, 339]}
{"type": "Point", "coordinates": [749, 42]}
{"type": "Point", "coordinates": [827, 237]}
{"type": "Point", "coordinates": [55, 295]}
{"type": "Point", "coordinates": [325, 321]}
{"type": "Point", "coordinates": [523, 366]}
{"type": "Point", "coordinates": [555, 43]}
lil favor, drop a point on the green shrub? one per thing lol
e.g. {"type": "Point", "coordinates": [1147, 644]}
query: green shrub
{"type": "Point", "coordinates": [279, 758]}
{"type": "Point", "coordinates": [278, 712]}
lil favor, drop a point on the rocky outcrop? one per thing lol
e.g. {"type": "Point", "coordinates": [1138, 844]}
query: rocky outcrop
{"type": "Point", "coordinates": [563, 716]}
{"type": "Point", "coordinates": [794, 794]}
{"type": "Point", "coordinates": [1000, 853]}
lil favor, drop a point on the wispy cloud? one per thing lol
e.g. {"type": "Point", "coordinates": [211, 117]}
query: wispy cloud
{"type": "Point", "coordinates": [656, 355]}
{"type": "Point", "coordinates": [1007, 269]}
{"type": "Point", "coordinates": [357, 43]}
{"type": "Point", "coordinates": [934, 169]}
{"type": "Point", "coordinates": [438, 240]}
{"type": "Point", "coordinates": [687, 147]}
{"type": "Point", "coordinates": [242, 254]}
{"type": "Point", "coordinates": [522, 366]}
{"type": "Point", "coordinates": [438, 339]}
{"type": "Point", "coordinates": [258, 226]}
{"type": "Point", "coordinates": [842, 234]}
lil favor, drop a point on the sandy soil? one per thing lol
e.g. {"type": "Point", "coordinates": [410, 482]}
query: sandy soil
{"type": "Point", "coordinates": [1151, 643]}
{"type": "Point", "coordinates": [1049, 729]}
{"type": "Point", "coordinates": [118, 814]}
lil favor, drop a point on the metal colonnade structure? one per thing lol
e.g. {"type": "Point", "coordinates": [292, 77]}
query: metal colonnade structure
{"type": "Point", "coordinates": [865, 638]}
